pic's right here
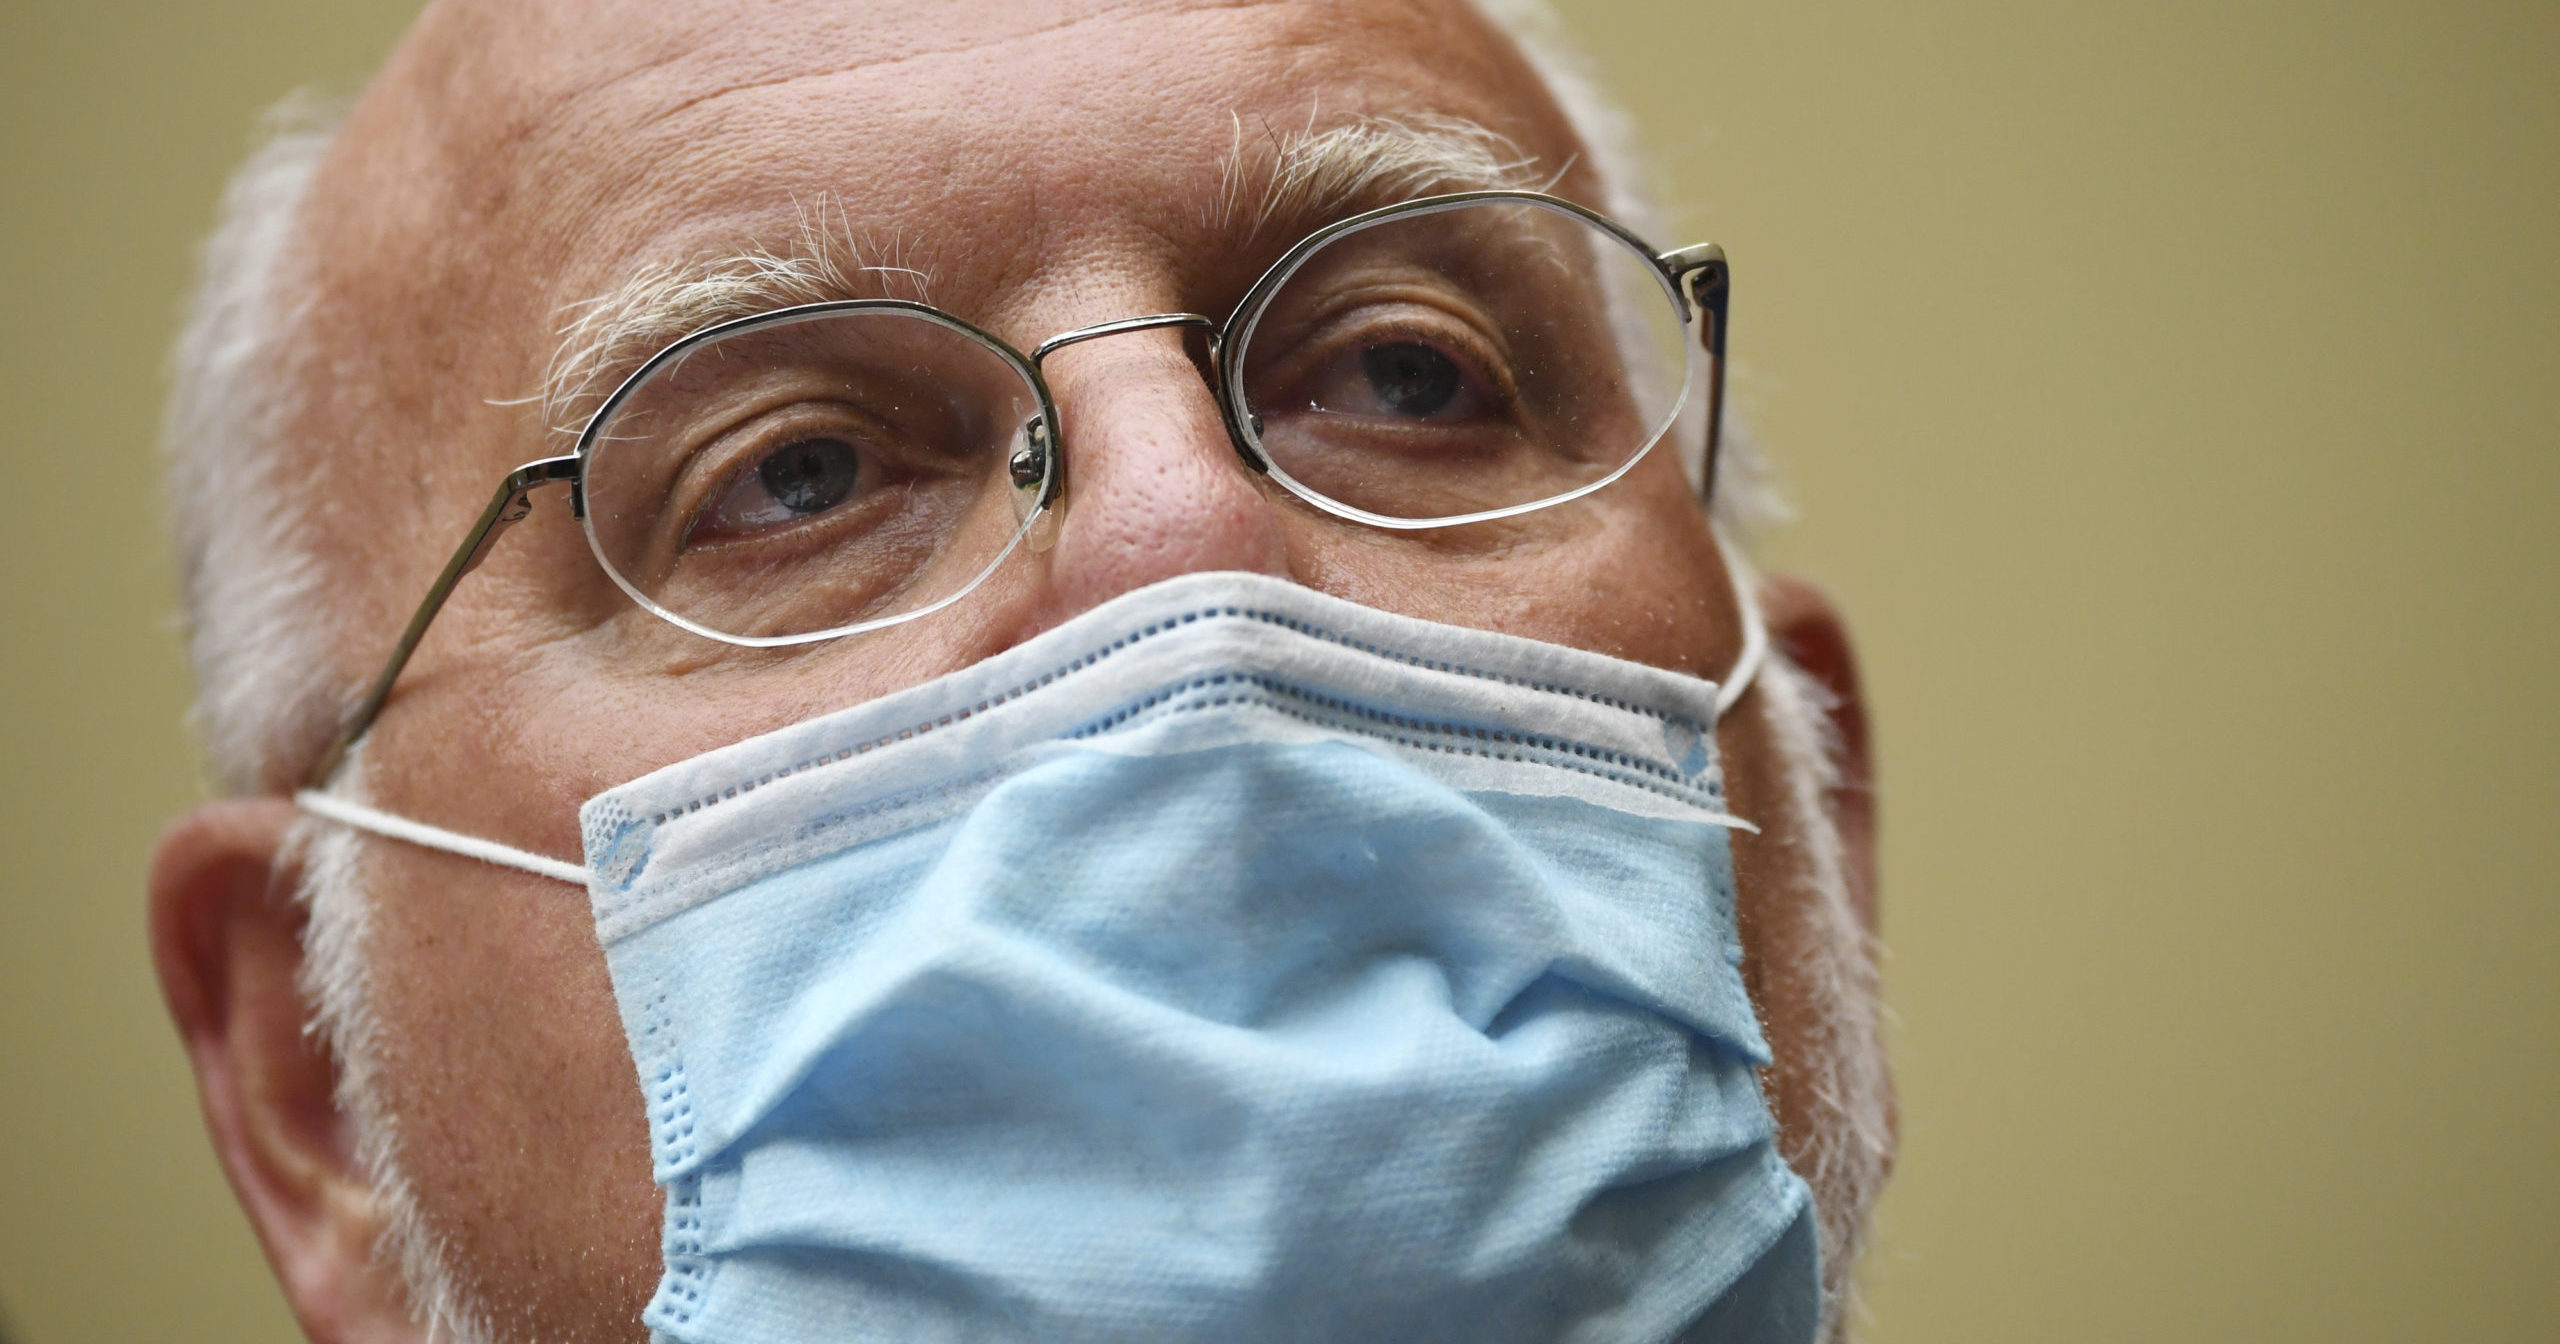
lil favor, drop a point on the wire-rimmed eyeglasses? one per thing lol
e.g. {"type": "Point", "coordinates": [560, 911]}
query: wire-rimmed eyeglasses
{"type": "Point", "coordinates": [833, 468]}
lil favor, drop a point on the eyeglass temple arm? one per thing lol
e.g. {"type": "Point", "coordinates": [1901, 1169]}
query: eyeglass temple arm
{"type": "Point", "coordinates": [1700, 274]}
{"type": "Point", "coordinates": [512, 502]}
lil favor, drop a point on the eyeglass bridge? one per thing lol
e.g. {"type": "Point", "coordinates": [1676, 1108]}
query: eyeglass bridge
{"type": "Point", "coordinates": [1149, 322]}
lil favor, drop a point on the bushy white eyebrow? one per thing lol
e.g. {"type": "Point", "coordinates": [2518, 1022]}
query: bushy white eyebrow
{"type": "Point", "coordinates": [826, 259]}
{"type": "Point", "coordinates": [1299, 178]}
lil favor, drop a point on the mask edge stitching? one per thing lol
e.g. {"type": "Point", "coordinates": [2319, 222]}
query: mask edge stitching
{"type": "Point", "coordinates": [1668, 779]}
{"type": "Point", "coordinates": [1146, 632]}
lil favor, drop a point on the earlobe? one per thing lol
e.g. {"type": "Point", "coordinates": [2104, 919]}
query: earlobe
{"type": "Point", "coordinates": [226, 940]}
{"type": "Point", "coordinates": [1806, 626]}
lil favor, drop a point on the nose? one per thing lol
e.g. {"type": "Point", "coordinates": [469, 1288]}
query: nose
{"type": "Point", "coordinates": [1154, 488]}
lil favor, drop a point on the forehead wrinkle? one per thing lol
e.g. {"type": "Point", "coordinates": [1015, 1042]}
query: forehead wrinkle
{"type": "Point", "coordinates": [1297, 178]}
{"type": "Point", "coordinates": [559, 123]}
{"type": "Point", "coordinates": [888, 62]}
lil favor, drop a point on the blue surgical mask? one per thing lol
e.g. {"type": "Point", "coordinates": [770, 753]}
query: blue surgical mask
{"type": "Point", "coordinates": [1231, 963]}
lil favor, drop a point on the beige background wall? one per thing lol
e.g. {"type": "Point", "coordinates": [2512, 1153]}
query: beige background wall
{"type": "Point", "coordinates": [2172, 392]}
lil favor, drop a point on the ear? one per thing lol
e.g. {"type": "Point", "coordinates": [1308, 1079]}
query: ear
{"type": "Point", "coordinates": [226, 939]}
{"type": "Point", "coordinates": [1808, 628]}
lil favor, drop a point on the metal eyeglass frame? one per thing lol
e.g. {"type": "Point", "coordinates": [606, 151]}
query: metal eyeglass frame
{"type": "Point", "coordinates": [1697, 279]}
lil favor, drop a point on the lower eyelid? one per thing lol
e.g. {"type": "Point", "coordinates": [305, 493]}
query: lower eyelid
{"type": "Point", "coordinates": [790, 526]}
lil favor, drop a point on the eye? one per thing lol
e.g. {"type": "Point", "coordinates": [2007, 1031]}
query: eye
{"type": "Point", "coordinates": [1401, 375]}
{"type": "Point", "coordinates": [801, 479]}
{"type": "Point", "coordinates": [1411, 379]}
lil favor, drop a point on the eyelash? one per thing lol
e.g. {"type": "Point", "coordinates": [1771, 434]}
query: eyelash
{"type": "Point", "coordinates": [745, 449]}
{"type": "Point", "coordinates": [1462, 341]}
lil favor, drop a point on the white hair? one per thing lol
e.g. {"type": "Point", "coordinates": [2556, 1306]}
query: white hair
{"type": "Point", "coordinates": [264, 621]}
{"type": "Point", "coordinates": [336, 981]}
{"type": "Point", "coordinates": [261, 618]}
{"type": "Point", "coordinates": [1844, 1148]}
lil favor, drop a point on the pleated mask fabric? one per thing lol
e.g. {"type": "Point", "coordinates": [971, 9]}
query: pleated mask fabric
{"type": "Point", "coordinates": [1230, 963]}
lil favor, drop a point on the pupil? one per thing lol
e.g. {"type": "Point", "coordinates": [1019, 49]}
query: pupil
{"type": "Point", "coordinates": [1411, 379]}
{"type": "Point", "coordinates": [810, 476]}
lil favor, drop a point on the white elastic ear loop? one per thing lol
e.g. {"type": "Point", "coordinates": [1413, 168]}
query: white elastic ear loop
{"type": "Point", "coordinates": [1755, 636]}
{"type": "Point", "coordinates": [381, 823]}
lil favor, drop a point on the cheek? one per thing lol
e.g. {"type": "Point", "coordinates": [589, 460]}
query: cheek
{"type": "Point", "coordinates": [608, 705]}
{"type": "Point", "coordinates": [520, 1123]}
{"type": "Point", "coordinates": [1633, 572]}
{"type": "Point", "coordinates": [518, 709]}
{"type": "Point", "coordinates": [1652, 583]}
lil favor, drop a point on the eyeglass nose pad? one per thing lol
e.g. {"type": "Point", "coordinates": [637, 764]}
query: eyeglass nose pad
{"type": "Point", "coordinates": [1037, 473]}
{"type": "Point", "coordinates": [1210, 359]}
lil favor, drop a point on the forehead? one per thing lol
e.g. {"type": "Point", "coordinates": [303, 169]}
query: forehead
{"type": "Point", "coordinates": [1004, 134]}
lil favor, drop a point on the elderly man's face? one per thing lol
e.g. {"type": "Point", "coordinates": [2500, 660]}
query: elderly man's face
{"type": "Point", "coordinates": [1045, 167]}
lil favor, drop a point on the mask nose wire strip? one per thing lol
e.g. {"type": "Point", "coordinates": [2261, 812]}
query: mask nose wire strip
{"type": "Point", "coordinates": [1755, 636]}
{"type": "Point", "coordinates": [363, 818]}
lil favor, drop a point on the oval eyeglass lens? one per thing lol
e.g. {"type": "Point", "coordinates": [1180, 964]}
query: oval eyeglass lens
{"type": "Point", "coordinates": [1462, 361]}
{"type": "Point", "coordinates": [813, 474]}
